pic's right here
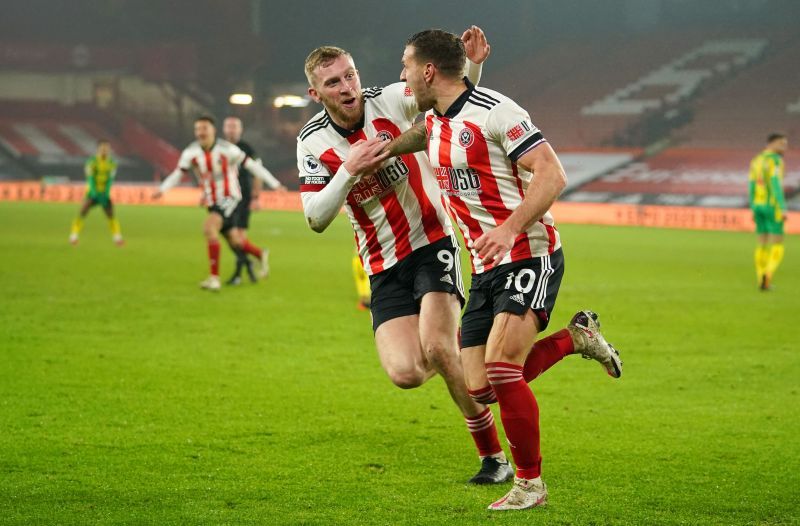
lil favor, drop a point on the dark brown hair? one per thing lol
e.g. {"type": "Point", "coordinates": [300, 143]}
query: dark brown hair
{"type": "Point", "coordinates": [442, 49]}
{"type": "Point", "coordinates": [206, 118]}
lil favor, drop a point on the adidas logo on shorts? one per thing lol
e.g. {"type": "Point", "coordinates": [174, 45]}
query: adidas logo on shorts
{"type": "Point", "coordinates": [519, 298]}
{"type": "Point", "coordinates": [446, 279]}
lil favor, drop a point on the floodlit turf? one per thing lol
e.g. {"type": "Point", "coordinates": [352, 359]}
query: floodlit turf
{"type": "Point", "coordinates": [128, 395]}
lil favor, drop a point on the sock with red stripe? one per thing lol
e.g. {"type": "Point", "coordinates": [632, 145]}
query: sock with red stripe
{"type": "Point", "coordinates": [484, 395]}
{"type": "Point", "coordinates": [251, 249]}
{"type": "Point", "coordinates": [546, 353]}
{"type": "Point", "coordinates": [213, 257]}
{"type": "Point", "coordinates": [484, 433]}
{"type": "Point", "coordinates": [520, 415]}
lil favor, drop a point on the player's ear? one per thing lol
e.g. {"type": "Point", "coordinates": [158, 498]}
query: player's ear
{"type": "Point", "coordinates": [313, 94]}
{"type": "Point", "coordinates": [428, 73]}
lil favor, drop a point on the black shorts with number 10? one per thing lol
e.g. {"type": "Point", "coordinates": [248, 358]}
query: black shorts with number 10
{"type": "Point", "coordinates": [398, 290]}
{"type": "Point", "coordinates": [513, 287]}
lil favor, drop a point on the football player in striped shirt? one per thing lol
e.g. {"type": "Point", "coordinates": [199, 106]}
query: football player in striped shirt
{"type": "Point", "coordinates": [214, 163]}
{"type": "Point", "coordinates": [404, 238]}
{"type": "Point", "coordinates": [499, 177]}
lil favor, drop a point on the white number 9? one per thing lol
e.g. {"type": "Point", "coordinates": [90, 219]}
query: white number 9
{"type": "Point", "coordinates": [446, 258]}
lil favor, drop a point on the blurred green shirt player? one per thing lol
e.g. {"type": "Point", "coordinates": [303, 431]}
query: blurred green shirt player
{"type": "Point", "coordinates": [769, 207]}
{"type": "Point", "coordinates": [100, 170]}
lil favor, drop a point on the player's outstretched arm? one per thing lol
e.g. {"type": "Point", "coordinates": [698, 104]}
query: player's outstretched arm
{"type": "Point", "coordinates": [170, 182]}
{"type": "Point", "coordinates": [414, 139]}
{"type": "Point", "coordinates": [260, 171]}
{"type": "Point", "coordinates": [321, 207]}
{"type": "Point", "coordinates": [549, 180]}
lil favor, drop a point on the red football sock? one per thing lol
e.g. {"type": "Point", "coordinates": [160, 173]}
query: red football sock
{"type": "Point", "coordinates": [213, 257]}
{"type": "Point", "coordinates": [520, 415]}
{"type": "Point", "coordinates": [251, 249]}
{"type": "Point", "coordinates": [484, 433]}
{"type": "Point", "coordinates": [483, 396]}
{"type": "Point", "coordinates": [546, 353]}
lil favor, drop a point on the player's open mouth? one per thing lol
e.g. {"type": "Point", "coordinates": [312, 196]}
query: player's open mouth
{"type": "Point", "coordinates": [349, 103]}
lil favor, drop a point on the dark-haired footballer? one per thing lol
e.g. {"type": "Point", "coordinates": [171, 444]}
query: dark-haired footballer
{"type": "Point", "coordinates": [215, 163]}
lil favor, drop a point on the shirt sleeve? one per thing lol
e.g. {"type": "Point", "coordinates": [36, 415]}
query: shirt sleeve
{"type": "Point", "coordinates": [251, 153]}
{"type": "Point", "coordinates": [775, 182]}
{"type": "Point", "coordinates": [185, 161]}
{"type": "Point", "coordinates": [314, 175]}
{"type": "Point", "coordinates": [323, 194]}
{"type": "Point", "coordinates": [511, 126]}
{"type": "Point", "coordinates": [402, 98]}
{"type": "Point", "coordinates": [236, 155]}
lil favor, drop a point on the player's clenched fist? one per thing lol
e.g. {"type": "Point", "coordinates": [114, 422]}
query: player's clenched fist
{"type": "Point", "coordinates": [366, 156]}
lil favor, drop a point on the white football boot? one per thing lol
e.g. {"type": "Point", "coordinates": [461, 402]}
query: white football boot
{"type": "Point", "coordinates": [211, 283]}
{"type": "Point", "coordinates": [73, 239]}
{"type": "Point", "coordinates": [524, 494]}
{"type": "Point", "coordinates": [589, 342]}
{"type": "Point", "coordinates": [264, 272]}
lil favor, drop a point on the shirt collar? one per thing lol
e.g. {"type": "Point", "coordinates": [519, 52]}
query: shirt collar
{"type": "Point", "coordinates": [344, 132]}
{"type": "Point", "coordinates": [458, 104]}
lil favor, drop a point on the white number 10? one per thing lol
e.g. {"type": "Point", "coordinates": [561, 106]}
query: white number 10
{"type": "Point", "coordinates": [524, 273]}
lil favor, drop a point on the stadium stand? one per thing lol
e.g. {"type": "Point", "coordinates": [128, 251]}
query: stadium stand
{"type": "Point", "coordinates": [567, 80]}
{"type": "Point", "coordinates": [683, 177]}
{"type": "Point", "coordinates": [58, 145]}
{"type": "Point", "coordinates": [679, 100]}
{"type": "Point", "coordinates": [741, 112]}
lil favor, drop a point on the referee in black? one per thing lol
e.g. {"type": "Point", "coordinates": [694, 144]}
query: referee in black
{"type": "Point", "coordinates": [251, 187]}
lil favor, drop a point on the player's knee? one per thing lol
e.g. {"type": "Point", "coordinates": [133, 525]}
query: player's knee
{"type": "Point", "coordinates": [439, 352]}
{"type": "Point", "coordinates": [407, 378]}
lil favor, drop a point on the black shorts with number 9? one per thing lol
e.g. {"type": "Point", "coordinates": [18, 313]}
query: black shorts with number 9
{"type": "Point", "coordinates": [513, 287]}
{"type": "Point", "coordinates": [398, 290]}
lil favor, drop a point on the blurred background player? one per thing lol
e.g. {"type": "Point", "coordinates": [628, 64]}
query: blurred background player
{"type": "Point", "coordinates": [769, 207]}
{"type": "Point", "coordinates": [100, 170]}
{"type": "Point", "coordinates": [362, 283]}
{"type": "Point", "coordinates": [251, 187]}
{"type": "Point", "coordinates": [214, 163]}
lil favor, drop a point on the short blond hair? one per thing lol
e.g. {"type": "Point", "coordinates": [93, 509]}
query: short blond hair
{"type": "Point", "coordinates": [322, 56]}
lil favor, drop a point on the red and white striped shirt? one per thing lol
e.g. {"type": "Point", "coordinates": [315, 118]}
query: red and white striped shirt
{"type": "Point", "coordinates": [473, 148]}
{"type": "Point", "coordinates": [217, 171]}
{"type": "Point", "coordinates": [394, 211]}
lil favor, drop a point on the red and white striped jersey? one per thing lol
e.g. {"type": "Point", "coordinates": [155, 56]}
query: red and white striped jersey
{"type": "Point", "coordinates": [473, 148]}
{"type": "Point", "coordinates": [216, 169]}
{"type": "Point", "coordinates": [397, 209]}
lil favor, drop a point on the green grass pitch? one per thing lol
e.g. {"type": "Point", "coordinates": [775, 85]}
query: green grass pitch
{"type": "Point", "coordinates": [129, 396]}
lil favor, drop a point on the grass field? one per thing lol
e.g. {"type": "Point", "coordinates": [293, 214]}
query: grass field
{"type": "Point", "coordinates": [127, 395]}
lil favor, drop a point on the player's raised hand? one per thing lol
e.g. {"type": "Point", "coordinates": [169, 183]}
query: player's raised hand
{"type": "Point", "coordinates": [495, 244]}
{"type": "Point", "coordinates": [366, 156]}
{"type": "Point", "coordinates": [476, 45]}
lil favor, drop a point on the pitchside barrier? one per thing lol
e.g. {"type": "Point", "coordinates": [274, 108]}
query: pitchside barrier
{"type": "Point", "coordinates": [696, 218]}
